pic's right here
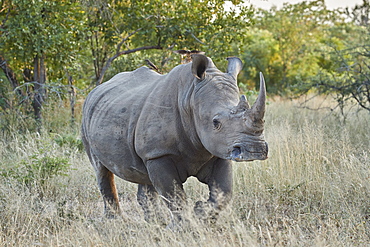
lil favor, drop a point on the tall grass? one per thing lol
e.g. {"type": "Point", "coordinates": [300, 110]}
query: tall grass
{"type": "Point", "coordinates": [314, 190]}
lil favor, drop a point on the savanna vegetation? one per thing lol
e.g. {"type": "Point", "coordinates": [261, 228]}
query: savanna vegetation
{"type": "Point", "coordinates": [314, 190]}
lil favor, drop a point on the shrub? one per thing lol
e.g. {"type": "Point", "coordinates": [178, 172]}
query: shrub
{"type": "Point", "coordinates": [69, 140]}
{"type": "Point", "coordinates": [37, 169]}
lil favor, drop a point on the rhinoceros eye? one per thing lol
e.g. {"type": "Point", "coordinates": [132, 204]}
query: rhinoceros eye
{"type": "Point", "coordinates": [216, 124]}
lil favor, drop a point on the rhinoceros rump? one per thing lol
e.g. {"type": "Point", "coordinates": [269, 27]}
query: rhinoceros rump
{"type": "Point", "coordinates": [157, 130]}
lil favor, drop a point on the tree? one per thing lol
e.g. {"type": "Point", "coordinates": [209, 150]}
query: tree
{"type": "Point", "coordinates": [37, 38]}
{"type": "Point", "coordinates": [285, 43]}
{"type": "Point", "coordinates": [347, 75]}
{"type": "Point", "coordinates": [49, 43]}
{"type": "Point", "coordinates": [119, 28]}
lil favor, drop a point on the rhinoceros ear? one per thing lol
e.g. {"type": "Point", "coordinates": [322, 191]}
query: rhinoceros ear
{"type": "Point", "coordinates": [200, 64]}
{"type": "Point", "coordinates": [234, 67]}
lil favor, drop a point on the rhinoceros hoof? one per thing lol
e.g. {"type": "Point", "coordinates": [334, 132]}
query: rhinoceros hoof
{"type": "Point", "coordinates": [206, 212]}
{"type": "Point", "coordinates": [155, 218]}
{"type": "Point", "coordinates": [179, 224]}
{"type": "Point", "coordinates": [110, 214]}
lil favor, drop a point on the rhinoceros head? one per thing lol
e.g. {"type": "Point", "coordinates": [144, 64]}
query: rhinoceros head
{"type": "Point", "coordinates": [226, 125]}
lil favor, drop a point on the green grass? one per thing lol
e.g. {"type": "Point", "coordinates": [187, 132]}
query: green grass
{"type": "Point", "coordinates": [314, 190]}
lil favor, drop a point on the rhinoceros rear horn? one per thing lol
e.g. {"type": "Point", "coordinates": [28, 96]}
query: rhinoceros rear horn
{"type": "Point", "coordinates": [200, 64]}
{"type": "Point", "coordinates": [243, 104]}
{"type": "Point", "coordinates": [234, 67]}
{"type": "Point", "coordinates": [258, 108]}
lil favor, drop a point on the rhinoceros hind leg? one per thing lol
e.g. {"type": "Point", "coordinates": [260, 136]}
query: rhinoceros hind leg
{"type": "Point", "coordinates": [108, 190]}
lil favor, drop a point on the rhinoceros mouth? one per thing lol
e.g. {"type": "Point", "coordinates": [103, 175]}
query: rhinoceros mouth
{"type": "Point", "coordinates": [240, 153]}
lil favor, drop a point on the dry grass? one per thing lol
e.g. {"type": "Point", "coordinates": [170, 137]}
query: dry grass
{"type": "Point", "coordinates": [314, 190]}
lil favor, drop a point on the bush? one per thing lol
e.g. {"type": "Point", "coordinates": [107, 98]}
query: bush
{"type": "Point", "coordinates": [68, 140]}
{"type": "Point", "coordinates": [37, 169]}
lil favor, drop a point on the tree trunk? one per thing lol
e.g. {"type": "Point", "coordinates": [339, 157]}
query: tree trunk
{"type": "Point", "coordinates": [39, 76]}
{"type": "Point", "coordinates": [10, 75]}
{"type": "Point", "coordinates": [72, 99]}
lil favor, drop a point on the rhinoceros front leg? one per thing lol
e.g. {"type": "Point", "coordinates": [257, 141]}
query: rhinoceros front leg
{"type": "Point", "coordinates": [147, 197]}
{"type": "Point", "coordinates": [166, 181]}
{"type": "Point", "coordinates": [218, 176]}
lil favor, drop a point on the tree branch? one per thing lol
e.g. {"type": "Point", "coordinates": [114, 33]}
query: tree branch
{"type": "Point", "coordinates": [120, 53]}
{"type": "Point", "coordinates": [138, 49]}
{"type": "Point", "coordinates": [5, 19]}
{"type": "Point", "coordinates": [125, 39]}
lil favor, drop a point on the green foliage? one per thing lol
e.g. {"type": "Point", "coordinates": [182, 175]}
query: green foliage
{"type": "Point", "coordinates": [4, 92]}
{"type": "Point", "coordinates": [41, 40]}
{"type": "Point", "coordinates": [305, 47]}
{"type": "Point", "coordinates": [285, 43]}
{"type": "Point", "coordinates": [347, 80]}
{"type": "Point", "coordinates": [41, 169]}
{"type": "Point", "coordinates": [69, 140]}
{"type": "Point", "coordinates": [51, 28]}
{"type": "Point", "coordinates": [77, 41]}
{"type": "Point", "coordinates": [299, 48]}
{"type": "Point", "coordinates": [19, 118]}
{"type": "Point", "coordinates": [37, 169]}
{"type": "Point", "coordinates": [119, 28]}
{"type": "Point", "coordinates": [344, 70]}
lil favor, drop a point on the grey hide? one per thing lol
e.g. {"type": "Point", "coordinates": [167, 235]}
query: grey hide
{"type": "Point", "coordinates": [157, 130]}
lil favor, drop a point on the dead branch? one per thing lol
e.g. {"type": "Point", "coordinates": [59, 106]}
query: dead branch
{"type": "Point", "coordinates": [120, 53]}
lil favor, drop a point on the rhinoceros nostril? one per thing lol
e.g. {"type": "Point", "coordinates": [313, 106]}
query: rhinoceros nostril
{"type": "Point", "coordinates": [236, 151]}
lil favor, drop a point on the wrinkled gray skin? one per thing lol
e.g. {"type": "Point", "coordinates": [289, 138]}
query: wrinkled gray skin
{"type": "Point", "coordinates": [158, 130]}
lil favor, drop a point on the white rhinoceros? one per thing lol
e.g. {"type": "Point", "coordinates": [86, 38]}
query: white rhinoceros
{"type": "Point", "coordinates": [157, 130]}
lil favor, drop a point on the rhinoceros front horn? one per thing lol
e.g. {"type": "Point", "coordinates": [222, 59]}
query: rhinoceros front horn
{"type": "Point", "coordinates": [234, 67]}
{"type": "Point", "coordinates": [258, 108]}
